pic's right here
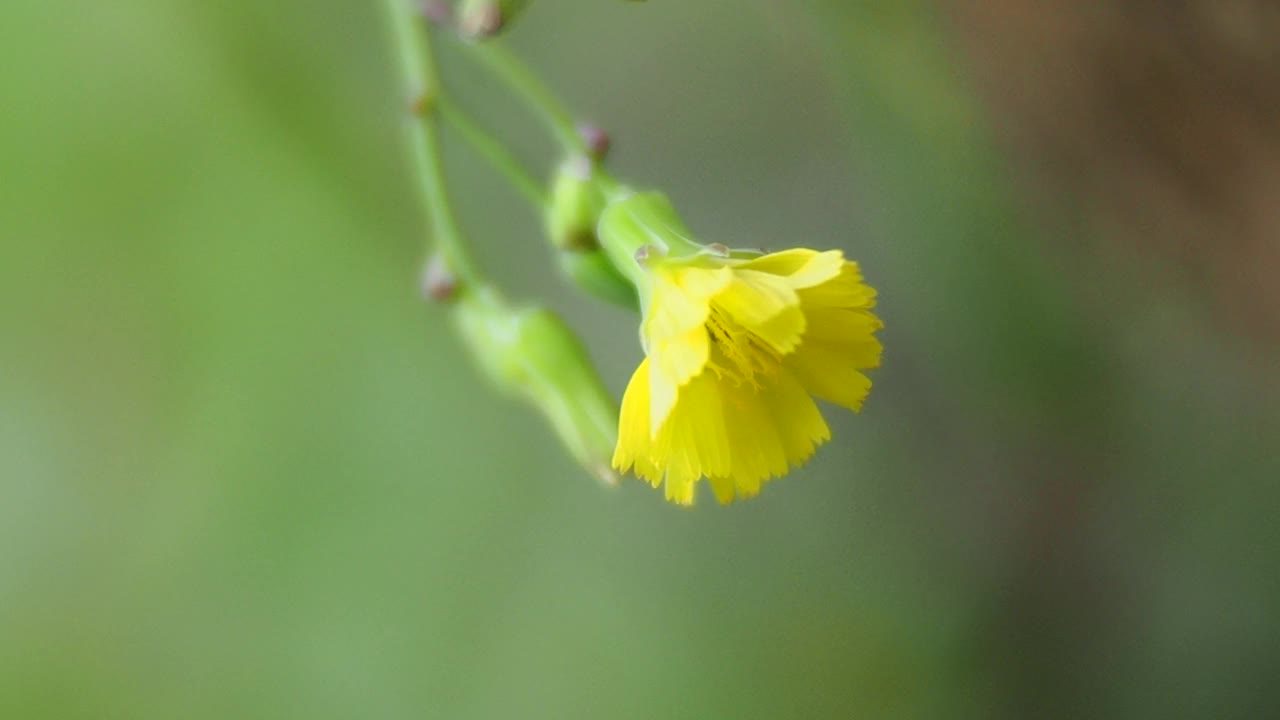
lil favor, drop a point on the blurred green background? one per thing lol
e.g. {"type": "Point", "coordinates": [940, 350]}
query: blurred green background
{"type": "Point", "coordinates": [246, 472]}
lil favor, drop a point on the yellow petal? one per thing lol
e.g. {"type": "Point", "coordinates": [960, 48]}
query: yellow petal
{"type": "Point", "coordinates": [841, 326]}
{"type": "Point", "coordinates": [724, 489]}
{"type": "Point", "coordinates": [694, 442]}
{"type": "Point", "coordinates": [681, 484]}
{"type": "Point", "coordinates": [800, 425]}
{"type": "Point", "coordinates": [771, 430]}
{"type": "Point", "coordinates": [737, 436]}
{"type": "Point", "coordinates": [845, 290]}
{"type": "Point", "coordinates": [802, 268]}
{"type": "Point", "coordinates": [829, 362]}
{"type": "Point", "coordinates": [766, 305]}
{"type": "Point", "coordinates": [758, 451]}
{"type": "Point", "coordinates": [674, 362]}
{"type": "Point", "coordinates": [675, 331]}
{"type": "Point", "coordinates": [835, 383]}
{"type": "Point", "coordinates": [681, 300]}
{"type": "Point", "coordinates": [634, 444]}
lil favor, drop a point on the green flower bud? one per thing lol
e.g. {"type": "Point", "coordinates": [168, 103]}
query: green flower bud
{"type": "Point", "coordinates": [531, 353]}
{"type": "Point", "coordinates": [480, 19]}
{"type": "Point", "coordinates": [576, 201]}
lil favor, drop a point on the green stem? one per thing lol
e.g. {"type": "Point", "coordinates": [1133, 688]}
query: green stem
{"type": "Point", "coordinates": [494, 152]}
{"type": "Point", "coordinates": [421, 82]}
{"type": "Point", "coordinates": [535, 93]}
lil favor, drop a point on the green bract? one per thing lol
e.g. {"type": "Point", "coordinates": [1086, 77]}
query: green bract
{"type": "Point", "coordinates": [636, 226]}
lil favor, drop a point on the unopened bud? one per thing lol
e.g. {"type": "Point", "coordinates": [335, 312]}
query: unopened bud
{"type": "Point", "coordinates": [576, 202]}
{"type": "Point", "coordinates": [438, 282]}
{"type": "Point", "coordinates": [439, 12]}
{"type": "Point", "coordinates": [480, 19]}
{"type": "Point", "coordinates": [531, 353]}
{"type": "Point", "coordinates": [596, 139]}
{"type": "Point", "coordinates": [572, 214]}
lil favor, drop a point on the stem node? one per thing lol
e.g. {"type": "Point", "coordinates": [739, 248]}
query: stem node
{"type": "Point", "coordinates": [423, 104]}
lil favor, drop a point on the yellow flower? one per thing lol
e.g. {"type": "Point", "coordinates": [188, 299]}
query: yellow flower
{"type": "Point", "coordinates": [737, 348]}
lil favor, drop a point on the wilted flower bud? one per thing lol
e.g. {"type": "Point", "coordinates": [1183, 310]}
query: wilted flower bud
{"type": "Point", "coordinates": [531, 353]}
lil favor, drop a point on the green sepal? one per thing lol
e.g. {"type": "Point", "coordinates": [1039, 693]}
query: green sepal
{"type": "Point", "coordinates": [576, 199]}
{"type": "Point", "coordinates": [637, 228]}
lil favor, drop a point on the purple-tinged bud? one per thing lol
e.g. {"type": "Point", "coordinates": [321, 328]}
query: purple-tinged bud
{"type": "Point", "coordinates": [596, 139]}
{"type": "Point", "coordinates": [438, 282]}
{"type": "Point", "coordinates": [480, 19]}
{"type": "Point", "coordinates": [438, 12]}
{"type": "Point", "coordinates": [574, 207]}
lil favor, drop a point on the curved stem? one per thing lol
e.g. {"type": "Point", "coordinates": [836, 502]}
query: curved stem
{"type": "Point", "coordinates": [535, 93]}
{"type": "Point", "coordinates": [494, 152]}
{"type": "Point", "coordinates": [422, 89]}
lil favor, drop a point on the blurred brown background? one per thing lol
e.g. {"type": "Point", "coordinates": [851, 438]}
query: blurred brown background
{"type": "Point", "coordinates": [1160, 122]}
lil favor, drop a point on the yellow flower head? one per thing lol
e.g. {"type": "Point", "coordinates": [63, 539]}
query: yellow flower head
{"type": "Point", "coordinates": [737, 345]}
